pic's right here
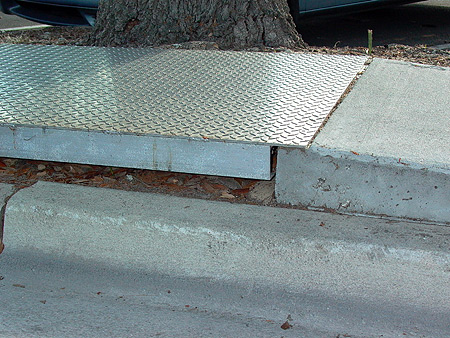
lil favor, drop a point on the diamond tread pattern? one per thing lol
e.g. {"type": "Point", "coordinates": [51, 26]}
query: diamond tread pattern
{"type": "Point", "coordinates": [261, 98]}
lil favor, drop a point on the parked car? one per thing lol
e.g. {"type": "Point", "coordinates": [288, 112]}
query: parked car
{"type": "Point", "coordinates": [53, 12]}
{"type": "Point", "coordinates": [82, 12]}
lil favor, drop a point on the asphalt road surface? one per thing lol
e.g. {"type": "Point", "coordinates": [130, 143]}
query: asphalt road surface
{"type": "Point", "coordinates": [424, 23]}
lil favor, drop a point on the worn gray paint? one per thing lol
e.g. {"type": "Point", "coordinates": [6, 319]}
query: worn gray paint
{"type": "Point", "coordinates": [147, 152]}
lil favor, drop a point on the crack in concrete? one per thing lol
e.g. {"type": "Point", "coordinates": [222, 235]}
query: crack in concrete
{"type": "Point", "coordinates": [2, 216]}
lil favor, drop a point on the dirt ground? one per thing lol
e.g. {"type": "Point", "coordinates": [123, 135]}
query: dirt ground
{"type": "Point", "coordinates": [79, 36]}
{"type": "Point", "coordinates": [23, 173]}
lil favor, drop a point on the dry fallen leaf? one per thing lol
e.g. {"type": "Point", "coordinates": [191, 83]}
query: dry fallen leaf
{"type": "Point", "coordinates": [240, 191]}
{"type": "Point", "coordinates": [227, 195]}
{"type": "Point", "coordinates": [229, 182]}
{"type": "Point", "coordinates": [286, 325]}
{"type": "Point", "coordinates": [208, 187]}
{"type": "Point", "coordinates": [97, 179]}
{"type": "Point", "coordinates": [219, 186]}
{"type": "Point", "coordinates": [250, 184]}
{"type": "Point", "coordinates": [40, 174]}
{"type": "Point", "coordinates": [175, 187]}
{"type": "Point", "coordinates": [22, 171]}
{"type": "Point", "coordinates": [79, 181]}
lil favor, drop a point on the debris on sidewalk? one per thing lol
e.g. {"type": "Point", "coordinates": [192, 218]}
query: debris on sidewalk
{"type": "Point", "coordinates": [287, 325]}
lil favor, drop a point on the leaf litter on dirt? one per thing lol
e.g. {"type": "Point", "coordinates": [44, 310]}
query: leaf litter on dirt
{"type": "Point", "coordinates": [23, 173]}
{"type": "Point", "coordinates": [80, 36]}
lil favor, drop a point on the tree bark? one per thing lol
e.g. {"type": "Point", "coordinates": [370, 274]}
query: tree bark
{"type": "Point", "coordinates": [232, 24]}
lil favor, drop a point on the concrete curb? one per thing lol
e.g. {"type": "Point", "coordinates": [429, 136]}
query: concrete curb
{"type": "Point", "coordinates": [384, 151]}
{"type": "Point", "coordinates": [358, 183]}
{"type": "Point", "coordinates": [366, 258]}
{"type": "Point", "coordinates": [13, 29]}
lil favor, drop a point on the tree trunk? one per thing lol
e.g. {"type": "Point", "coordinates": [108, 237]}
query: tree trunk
{"type": "Point", "coordinates": [232, 24]}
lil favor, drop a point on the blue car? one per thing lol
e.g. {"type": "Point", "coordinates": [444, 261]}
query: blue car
{"type": "Point", "coordinates": [53, 12]}
{"type": "Point", "coordinates": [82, 12]}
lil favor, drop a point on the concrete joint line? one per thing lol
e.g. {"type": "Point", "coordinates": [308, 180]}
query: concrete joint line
{"type": "Point", "coordinates": [6, 192]}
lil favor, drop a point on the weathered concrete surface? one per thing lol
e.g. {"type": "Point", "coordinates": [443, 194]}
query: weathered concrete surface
{"type": "Point", "coordinates": [397, 110]}
{"type": "Point", "coordinates": [43, 295]}
{"type": "Point", "coordinates": [13, 22]}
{"type": "Point", "coordinates": [384, 150]}
{"type": "Point", "coordinates": [6, 191]}
{"type": "Point", "coordinates": [309, 257]}
{"type": "Point", "coordinates": [363, 184]}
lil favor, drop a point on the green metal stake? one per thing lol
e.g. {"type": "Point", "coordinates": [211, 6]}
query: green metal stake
{"type": "Point", "coordinates": [370, 37]}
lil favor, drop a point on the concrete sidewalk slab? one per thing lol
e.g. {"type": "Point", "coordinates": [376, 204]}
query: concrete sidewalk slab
{"type": "Point", "coordinates": [13, 22]}
{"type": "Point", "coordinates": [369, 260]}
{"type": "Point", "coordinates": [405, 114]}
{"type": "Point", "coordinates": [384, 150]}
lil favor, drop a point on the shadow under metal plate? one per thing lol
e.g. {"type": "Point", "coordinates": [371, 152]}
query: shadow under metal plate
{"type": "Point", "coordinates": [208, 112]}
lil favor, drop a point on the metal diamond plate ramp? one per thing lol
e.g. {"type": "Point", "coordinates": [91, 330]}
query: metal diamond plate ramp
{"type": "Point", "coordinates": [258, 99]}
